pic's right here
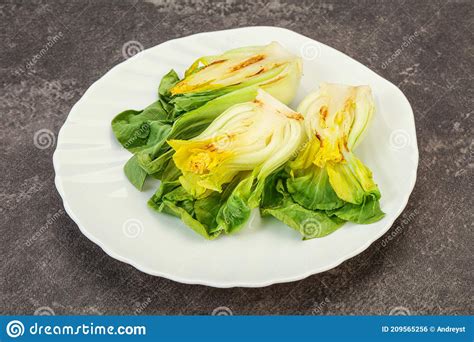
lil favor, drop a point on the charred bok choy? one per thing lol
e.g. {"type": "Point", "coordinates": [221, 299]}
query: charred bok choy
{"type": "Point", "coordinates": [327, 184]}
{"type": "Point", "coordinates": [186, 107]}
{"type": "Point", "coordinates": [223, 142]}
{"type": "Point", "coordinates": [216, 178]}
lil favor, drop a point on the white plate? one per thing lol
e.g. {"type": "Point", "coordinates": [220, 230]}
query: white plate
{"type": "Point", "coordinates": [88, 162]}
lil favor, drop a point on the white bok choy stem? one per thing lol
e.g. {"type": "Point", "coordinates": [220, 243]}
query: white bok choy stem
{"type": "Point", "coordinates": [336, 118]}
{"type": "Point", "coordinates": [258, 136]}
{"type": "Point", "coordinates": [271, 67]}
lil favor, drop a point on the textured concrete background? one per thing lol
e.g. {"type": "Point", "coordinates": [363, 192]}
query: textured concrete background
{"type": "Point", "coordinates": [52, 51]}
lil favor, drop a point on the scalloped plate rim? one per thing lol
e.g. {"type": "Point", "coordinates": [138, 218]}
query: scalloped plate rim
{"type": "Point", "coordinates": [235, 283]}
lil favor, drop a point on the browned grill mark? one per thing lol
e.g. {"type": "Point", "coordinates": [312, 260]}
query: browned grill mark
{"type": "Point", "coordinates": [276, 79]}
{"type": "Point", "coordinates": [210, 147]}
{"type": "Point", "coordinates": [258, 72]}
{"type": "Point", "coordinates": [250, 61]}
{"type": "Point", "coordinates": [295, 116]}
{"type": "Point", "coordinates": [214, 63]}
{"type": "Point", "coordinates": [323, 112]}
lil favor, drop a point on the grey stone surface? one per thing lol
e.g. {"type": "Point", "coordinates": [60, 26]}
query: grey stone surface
{"type": "Point", "coordinates": [426, 268]}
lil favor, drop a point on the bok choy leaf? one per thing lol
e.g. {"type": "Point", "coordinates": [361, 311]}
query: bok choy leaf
{"type": "Point", "coordinates": [223, 169]}
{"type": "Point", "coordinates": [211, 85]}
{"type": "Point", "coordinates": [326, 176]}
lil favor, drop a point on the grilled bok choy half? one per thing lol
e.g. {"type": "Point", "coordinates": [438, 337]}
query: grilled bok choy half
{"type": "Point", "coordinates": [216, 178]}
{"type": "Point", "coordinates": [327, 184]}
{"type": "Point", "coordinates": [271, 67]}
{"type": "Point", "coordinates": [186, 107]}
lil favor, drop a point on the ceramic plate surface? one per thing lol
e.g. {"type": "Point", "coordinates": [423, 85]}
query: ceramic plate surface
{"type": "Point", "coordinates": [88, 162]}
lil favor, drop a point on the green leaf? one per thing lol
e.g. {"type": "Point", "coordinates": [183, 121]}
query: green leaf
{"type": "Point", "coordinates": [367, 212]}
{"type": "Point", "coordinates": [311, 189]}
{"type": "Point", "coordinates": [138, 130]}
{"type": "Point", "coordinates": [172, 199]}
{"type": "Point", "coordinates": [167, 82]}
{"type": "Point", "coordinates": [210, 216]}
{"type": "Point", "coordinates": [170, 173]}
{"type": "Point", "coordinates": [135, 174]}
{"type": "Point", "coordinates": [352, 180]}
{"type": "Point", "coordinates": [195, 122]}
{"type": "Point", "coordinates": [235, 211]}
{"type": "Point", "coordinates": [273, 193]}
{"type": "Point", "coordinates": [184, 214]}
{"type": "Point", "coordinates": [143, 130]}
{"type": "Point", "coordinates": [188, 102]}
{"type": "Point", "coordinates": [277, 202]}
{"type": "Point", "coordinates": [188, 126]}
{"type": "Point", "coordinates": [206, 211]}
{"type": "Point", "coordinates": [310, 223]}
